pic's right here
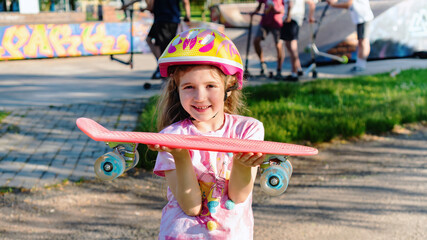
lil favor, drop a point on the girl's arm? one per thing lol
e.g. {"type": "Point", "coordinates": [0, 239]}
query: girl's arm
{"type": "Point", "coordinates": [243, 174]}
{"type": "Point", "coordinates": [183, 181]}
{"type": "Point", "coordinates": [334, 3]}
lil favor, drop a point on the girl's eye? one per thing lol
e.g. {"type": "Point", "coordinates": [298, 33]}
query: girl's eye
{"type": "Point", "coordinates": [212, 86]}
{"type": "Point", "coordinates": [187, 87]}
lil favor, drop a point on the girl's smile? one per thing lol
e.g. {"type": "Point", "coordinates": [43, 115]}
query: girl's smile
{"type": "Point", "coordinates": [201, 94]}
{"type": "Point", "coordinates": [201, 109]}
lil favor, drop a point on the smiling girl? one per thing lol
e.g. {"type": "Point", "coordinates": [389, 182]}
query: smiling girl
{"type": "Point", "coordinates": [209, 193]}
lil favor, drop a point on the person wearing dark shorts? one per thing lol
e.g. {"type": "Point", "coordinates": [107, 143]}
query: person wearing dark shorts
{"type": "Point", "coordinates": [162, 33]}
{"type": "Point", "coordinates": [295, 10]}
{"type": "Point", "coordinates": [271, 22]}
{"type": "Point", "coordinates": [290, 31]}
{"type": "Point", "coordinates": [167, 16]}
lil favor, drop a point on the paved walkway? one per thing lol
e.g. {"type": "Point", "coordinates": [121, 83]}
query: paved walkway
{"type": "Point", "coordinates": [42, 146]}
{"type": "Point", "coordinates": [39, 141]}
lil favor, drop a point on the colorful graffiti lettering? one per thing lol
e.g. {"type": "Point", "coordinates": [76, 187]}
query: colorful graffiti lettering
{"type": "Point", "coordinates": [72, 40]}
{"type": "Point", "coordinates": [64, 40]}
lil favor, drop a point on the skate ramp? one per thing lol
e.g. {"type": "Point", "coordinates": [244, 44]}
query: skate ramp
{"type": "Point", "coordinates": [407, 35]}
{"type": "Point", "coordinates": [399, 29]}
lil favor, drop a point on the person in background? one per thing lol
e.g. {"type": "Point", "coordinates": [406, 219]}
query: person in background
{"type": "Point", "coordinates": [167, 16]}
{"type": "Point", "coordinates": [361, 14]}
{"type": "Point", "coordinates": [14, 6]}
{"type": "Point", "coordinates": [271, 22]}
{"type": "Point", "coordinates": [293, 19]}
{"type": "Point", "coordinates": [3, 7]}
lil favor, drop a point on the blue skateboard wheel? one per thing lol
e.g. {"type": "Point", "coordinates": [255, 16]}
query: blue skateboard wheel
{"type": "Point", "coordinates": [109, 166]}
{"type": "Point", "coordinates": [275, 179]}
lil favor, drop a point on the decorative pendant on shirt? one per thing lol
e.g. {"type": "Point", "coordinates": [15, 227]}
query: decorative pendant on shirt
{"type": "Point", "coordinates": [215, 195]}
{"type": "Point", "coordinates": [217, 189]}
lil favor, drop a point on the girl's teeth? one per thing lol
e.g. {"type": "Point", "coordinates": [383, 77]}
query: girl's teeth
{"type": "Point", "coordinates": [201, 107]}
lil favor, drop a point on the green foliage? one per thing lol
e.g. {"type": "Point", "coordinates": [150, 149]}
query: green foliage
{"type": "Point", "coordinates": [5, 190]}
{"type": "Point", "coordinates": [199, 11]}
{"type": "Point", "coordinates": [321, 110]}
{"type": "Point", "coordinates": [147, 123]}
{"type": "Point", "coordinates": [3, 115]}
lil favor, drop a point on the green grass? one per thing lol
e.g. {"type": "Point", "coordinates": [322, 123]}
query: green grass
{"type": "Point", "coordinates": [198, 12]}
{"type": "Point", "coordinates": [147, 123]}
{"type": "Point", "coordinates": [3, 115]}
{"type": "Point", "coordinates": [322, 110]}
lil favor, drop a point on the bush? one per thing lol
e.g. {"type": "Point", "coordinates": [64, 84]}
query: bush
{"type": "Point", "coordinates": [147, 123]}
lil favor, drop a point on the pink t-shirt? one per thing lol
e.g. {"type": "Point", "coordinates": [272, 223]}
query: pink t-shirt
{"type": "Point", "coordinates": [271, 18]}
{"type": "Point", "coordinates": [213, 170]}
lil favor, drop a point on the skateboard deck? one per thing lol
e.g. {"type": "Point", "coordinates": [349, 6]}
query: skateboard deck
{"type": "Point", "coordinates": [218, 144]}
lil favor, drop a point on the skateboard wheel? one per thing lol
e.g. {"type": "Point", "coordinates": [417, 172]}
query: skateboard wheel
{"type": "Point", "coordinates": [109, 166]}
{"type": "Point", "coordinates": [136, 160]}
{"type": "Point", "coordinates": [275, 179]}
{"type": "Point", "coordinates": [131, 163]}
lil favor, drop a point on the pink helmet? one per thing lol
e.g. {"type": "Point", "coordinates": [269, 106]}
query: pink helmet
{"type": "Point", "coordinates": [203, 46]}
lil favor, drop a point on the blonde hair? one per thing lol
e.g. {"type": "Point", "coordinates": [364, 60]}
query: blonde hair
{"type": "Point", "coordinates": [169, 106]}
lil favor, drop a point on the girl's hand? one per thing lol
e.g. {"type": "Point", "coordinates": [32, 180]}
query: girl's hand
{"type": "Point", "coordinates": [159, 148]}
{"type": "Point", "coordinates": [249, 159]}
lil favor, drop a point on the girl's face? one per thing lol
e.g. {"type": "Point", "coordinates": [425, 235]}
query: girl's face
{"type": "Point", "coordinates": [201, 94]}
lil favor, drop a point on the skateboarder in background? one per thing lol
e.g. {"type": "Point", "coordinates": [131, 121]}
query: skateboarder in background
{"type": "Point", "coordinates": [293, 19]}
{"type": "Point", "coordinates": [361, 14]}
{"type": "Point", "coordinates": [271, 22]}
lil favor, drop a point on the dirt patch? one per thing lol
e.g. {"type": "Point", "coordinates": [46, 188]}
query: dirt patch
{"type": "Point", "coordinates": [373, 187]}
{"type": "Point", "coordinates": [129, 208]}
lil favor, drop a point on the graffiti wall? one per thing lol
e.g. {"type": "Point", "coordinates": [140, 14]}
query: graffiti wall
{"type": "Point", "coordinates": [84, 39]}
{"type": "Point", "coordinates": [69, 40]}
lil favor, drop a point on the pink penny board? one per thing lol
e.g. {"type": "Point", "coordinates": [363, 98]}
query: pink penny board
{"type": "Point", "coordinates": [218, 144]}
